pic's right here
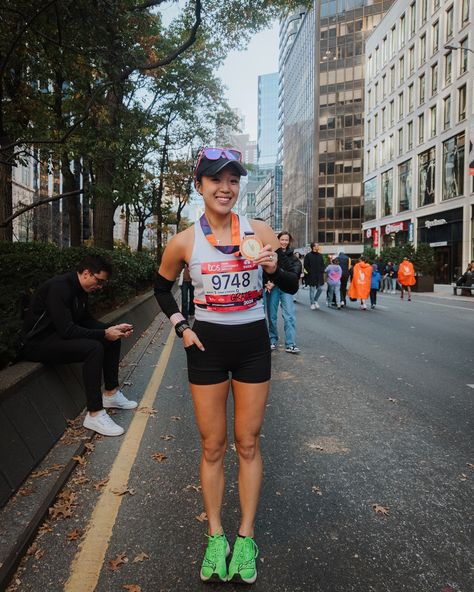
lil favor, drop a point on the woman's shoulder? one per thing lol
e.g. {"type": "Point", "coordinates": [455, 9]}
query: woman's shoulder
{"type": "Point", "coordinates": [182, 240]}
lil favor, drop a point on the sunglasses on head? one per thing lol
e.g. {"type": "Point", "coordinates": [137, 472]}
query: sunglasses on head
{"type": "Point", "coordinates": [216, 153]}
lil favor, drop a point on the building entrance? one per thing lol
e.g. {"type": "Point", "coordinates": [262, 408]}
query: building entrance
{"type": "Point", "coordinates": [442, 261]}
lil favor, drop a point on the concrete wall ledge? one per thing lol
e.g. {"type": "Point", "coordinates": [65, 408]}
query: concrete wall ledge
{"type": "Point", "coordinates": [37, 400]}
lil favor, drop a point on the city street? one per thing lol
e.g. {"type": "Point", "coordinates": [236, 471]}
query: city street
{"type": "Point", "coordinates": [369, 466]}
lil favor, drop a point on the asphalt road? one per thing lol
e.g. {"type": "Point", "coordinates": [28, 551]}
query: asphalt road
{"type": "Point", "coordinates": [376, 413]}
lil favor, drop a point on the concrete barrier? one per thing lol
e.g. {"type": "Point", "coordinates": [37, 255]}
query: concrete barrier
{"type": "Point", "coordinates": [37, 400]}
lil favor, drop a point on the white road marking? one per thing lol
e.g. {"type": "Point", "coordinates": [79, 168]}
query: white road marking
{"type": "Point", "coordinates": [471, 385]}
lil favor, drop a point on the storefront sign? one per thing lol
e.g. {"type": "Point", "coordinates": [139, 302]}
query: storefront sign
{"type": "Point", "coordinates": [398, 227]}
{"type": "Point", "coordinates": [411, 232]}
{"type": "Point", "coordinates": [376, 238]}
{"type": "Point", "coordinates": [439, 244]}
{"type": "Point", "coordinates": [435, 222]}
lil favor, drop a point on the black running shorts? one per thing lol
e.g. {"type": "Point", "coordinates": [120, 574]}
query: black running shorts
{"type": "Point", "coordinates": [242, 350]}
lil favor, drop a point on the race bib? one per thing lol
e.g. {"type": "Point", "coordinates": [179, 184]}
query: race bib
{"type": "Point", "coordinates": [230, 285]}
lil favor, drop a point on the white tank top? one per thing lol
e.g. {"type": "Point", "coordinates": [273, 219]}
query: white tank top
{"type": "Point", "coordinates": [227, 289]}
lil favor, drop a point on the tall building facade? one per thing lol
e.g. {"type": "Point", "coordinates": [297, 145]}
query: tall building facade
{"type": "Point", "coordinates": [327, 186]}
{"type": "Point", "coordinates": [419, 117]}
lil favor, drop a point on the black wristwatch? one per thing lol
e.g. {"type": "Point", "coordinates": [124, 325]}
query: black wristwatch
{"type": "Point", "coordinates": [181, 327]}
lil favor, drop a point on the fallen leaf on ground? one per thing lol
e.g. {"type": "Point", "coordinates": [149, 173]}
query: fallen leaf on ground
{"type": "Point", "coordinates": [132, 588]}
{"type": "Point", "coordinates": [316, 489]}
{"type": "Point", "coordinates": [141, 557]}
{"type": "Point", "coordinates": [101, 483]}
{"type": "Point", "coordinates": [123, 491]}
{"type": "Point", "coordinates": [59, 510]}
{"type": "Point", "coordinates": [73, 535]}
{"type": "Point", "coordinates": [167, 437]}
{"type": "Point", "coordinates": [80, 459]}
{"type": "Point", "coordinates": [169, 386]}
{"type": "Point", "coordinates": [176, 418]}
{"type": "Point", "coordinates": [44, 528]}
{"type": "Point", "coordinates": [47, 471]}
{"type": "Point", "coordinates": [195, 487]}
{"type": "Point", "coordinates": [80, 480]}
{"type": "Point", "coordinates": [159, 456]}
{"type": "Point", "coordinates": [119, 560]}
{"type": "Point", "coordinates": [463, 477]}
{"type": "Point", "coordinates": [378, 509]}
{"type": "Point", "coordinates": [128, 383]}
{"type": "Point", "coordinates": [392, 400]}
{"type": "Point", "coordinates": [25, 491]}
{"type": "Point", "coordinates": [316, 447]}
{"type": "Point", "coordinates": [470, 465]}
{"type": "Point", "coordinates": [147, 410]}
{"type": "Point", "coordinates": [202, 517]}
{"type": "Point", "coordinates": [89, 446]}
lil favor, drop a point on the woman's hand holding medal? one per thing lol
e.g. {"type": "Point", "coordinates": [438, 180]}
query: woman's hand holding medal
{"type": "Point", "coordinates": [268, 259]}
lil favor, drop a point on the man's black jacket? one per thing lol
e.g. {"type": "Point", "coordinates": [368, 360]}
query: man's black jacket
{"type": "Point", "coordinates": [60, 306]}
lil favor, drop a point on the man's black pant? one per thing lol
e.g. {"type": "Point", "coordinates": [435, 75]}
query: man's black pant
{"type": "Point", "coordinates": [344, 279]}
{"type": "Point", "coordinates": [97, 357]}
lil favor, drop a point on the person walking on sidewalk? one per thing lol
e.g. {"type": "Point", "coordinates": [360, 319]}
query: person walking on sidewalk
{"type": "Point", "coordinates": [374, 285]}
{"type": "Point", "coordinates": [275, 297]}
{"type": "Point", "coordinates": [313, 267]}
{"type": "Point", "coordinates": [345, 263]}
{"type": "Point", "coordinates": [334, 274]}
{"type": "Point", "coordinates": [59, 329]}
{"type": "Point", "coordinates": [226, 255]}
{"type": "Point", "coordinates": [360, 282]}
{"type": "Point", "coordinates": [406, 277]}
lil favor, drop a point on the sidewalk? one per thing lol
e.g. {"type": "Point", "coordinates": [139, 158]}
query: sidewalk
{"type": "Point", "coordinates": [445, 291]}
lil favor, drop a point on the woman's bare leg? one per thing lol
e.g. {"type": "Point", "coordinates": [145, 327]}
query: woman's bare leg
{"type": "Point", "coordinates": [249, 410]}
{"type": "Point", "coordinates": [210, 410]}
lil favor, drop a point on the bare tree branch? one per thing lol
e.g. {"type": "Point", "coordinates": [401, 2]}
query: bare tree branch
{"type": "Point", "coordinates": [39, 203]}
{"type": "Point", "coordinates": [172, 56]}
{"type": "Point", "coordinates": [145, 5]}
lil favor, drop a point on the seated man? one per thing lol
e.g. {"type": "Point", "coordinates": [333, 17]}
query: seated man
{"type": "Point", "coordinates": [59, 329]}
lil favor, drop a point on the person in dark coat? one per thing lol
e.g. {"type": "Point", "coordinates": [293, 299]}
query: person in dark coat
{"type": "Point", "coordinates": [314, 274]}
{"type": "Point", "coordinates": [345, 264]}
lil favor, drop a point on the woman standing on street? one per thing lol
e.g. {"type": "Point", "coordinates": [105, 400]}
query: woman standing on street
{"type": "Point", "coordinates": [276, 296]}
{"type": "Point", "coordinates": [226, 255]}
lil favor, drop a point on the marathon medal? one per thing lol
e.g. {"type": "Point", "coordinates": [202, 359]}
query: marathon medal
{"type": "Point", "coordinates": [250, 246]}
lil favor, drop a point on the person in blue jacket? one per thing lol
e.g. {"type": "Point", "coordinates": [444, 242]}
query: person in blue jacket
{"type": "Point", "coordinates": [374, 285]}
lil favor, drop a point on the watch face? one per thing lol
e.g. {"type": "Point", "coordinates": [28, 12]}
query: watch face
{"type": "Point", "coordinates": [250, 247]}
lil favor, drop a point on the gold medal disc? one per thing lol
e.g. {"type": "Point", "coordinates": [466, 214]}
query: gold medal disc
{"type": "Point", "coordinates": [250, 247]}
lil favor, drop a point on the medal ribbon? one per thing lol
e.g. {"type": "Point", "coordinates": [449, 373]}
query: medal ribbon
{"type": "Point", "coordinates": [235, 229]}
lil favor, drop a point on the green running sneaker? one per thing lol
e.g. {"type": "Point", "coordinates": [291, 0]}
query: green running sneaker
{"type": "Point", "coordinates": [243, 567]}
{"type": "Point", "coordinates": [214, 567]}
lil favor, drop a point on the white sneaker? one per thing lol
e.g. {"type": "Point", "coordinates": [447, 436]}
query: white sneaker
{"type": "Point", "coordinates": [118, 401]}
{"type": "Point", "coordinates": [103, 424]}
{"type": "Point", "coordinates": [313, 307]}
{"type": "Point", "coordinates": [317, 306]}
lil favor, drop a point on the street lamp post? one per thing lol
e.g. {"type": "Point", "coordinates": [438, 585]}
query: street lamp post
{"type": "Point", "coordinates": [305, 214]}
{"type": "Point", "coordinates": [453, 47]}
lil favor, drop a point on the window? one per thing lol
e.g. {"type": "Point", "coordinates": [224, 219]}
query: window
{"type": "Point", "coordinates": [383, 155]}
{"type": "Point", "coordinates": [400, 105]}
{"type": "Point", "coordinates": [387, 192]}
{"type": "Point", "coordinates": [426, 177]}
{"type": "Point", "coordinates": [421, 128]}
{"type": "Point", "coordinates": [392, 78]}
{"type": "Point", "coordinates": [412, 19]}
{"type": "Point", "coordinates": [390, 147]}
{"type": "Point", "coordinates": [423, 48]}
{"type": "Point", "coordinates": [465, 11]}
{"type": "Point", "coordinates": [411, 60]}
{"type": "Point", "coordinates": [384, 119]}
{"type": "Point", "coordinates": [435, 5]}
{"type": "Point", "coordinates": [393, 41]}
{"type": "Point", "coordinates": [404, 186]}
{"type": "Point", "coordinates": [400, 141]}
{"type": "Point", "coordinates": [376, 124]}
{"type": "Point", "coordinates": [392, 113]}
{"type": "Point", "coordinates": [449, 23]}
{"type": "Point", "coordinates": [424, 11]}
{"type": "Point", "coordinates": [453, 167]}
{"type": "Point", "coordinates": [402, 30]}
{"type": "Point", "coordinates": [433, 115]}
{"type": "Point", "coordinates": [435, 37]}
{"type": "Point", "coordinates": [401, 70]}
{"type": "Point", "coordinates": [434, 79]}
{"type": "Point", "coordinates": [410, 135]}
{"type": "Point", "coordinates": [462, 103]}
{"type": "Point", "coordinates": [370, 199]}
{"type": "Point", "coordinates": [463, 63]}
{"type": "Point", "coordinates": [410, 97]}
{"type": "Point", "coordinates": [447, 112]}
{"type": "Point", "coordinates": [421, 89]}
{"type": "Point", "coordinates": [384, 86]}
{"type": "Point", "coordinates": [448, 67]}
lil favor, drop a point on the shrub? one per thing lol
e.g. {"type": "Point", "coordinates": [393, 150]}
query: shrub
{"type": "Point", "coordinates": [24, 266]}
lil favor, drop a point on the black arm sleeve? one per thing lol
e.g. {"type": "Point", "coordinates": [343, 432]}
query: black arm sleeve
{"type": "Point", "coordinates": [164, 296]}
{"type": "Point", "coordinates": [287, 274]}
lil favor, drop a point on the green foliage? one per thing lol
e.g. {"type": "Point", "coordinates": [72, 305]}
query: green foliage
{"type": "Point", "coordinates": [24, 266]}
{"type": "Point", "coordinates": [422, 258]}
{"type": "Point", "coordinates": [370, 254]}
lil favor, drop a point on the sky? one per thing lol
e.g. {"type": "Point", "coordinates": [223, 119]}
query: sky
{"type": "Point", "coordinates": [241, 70]}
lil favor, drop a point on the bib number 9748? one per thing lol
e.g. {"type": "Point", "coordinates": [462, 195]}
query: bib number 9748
{"type": "Point", "coordinates": [225, 280]}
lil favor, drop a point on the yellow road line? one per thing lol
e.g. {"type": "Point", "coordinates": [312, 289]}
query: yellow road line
{"type": "Point", "coordinates": [87, 564]}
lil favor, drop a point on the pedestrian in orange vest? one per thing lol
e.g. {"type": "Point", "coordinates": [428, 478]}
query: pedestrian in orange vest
{"type": "Point", "coordinates": [406, 277]}
{"type": "Point", "coordinates": [360, 282]}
